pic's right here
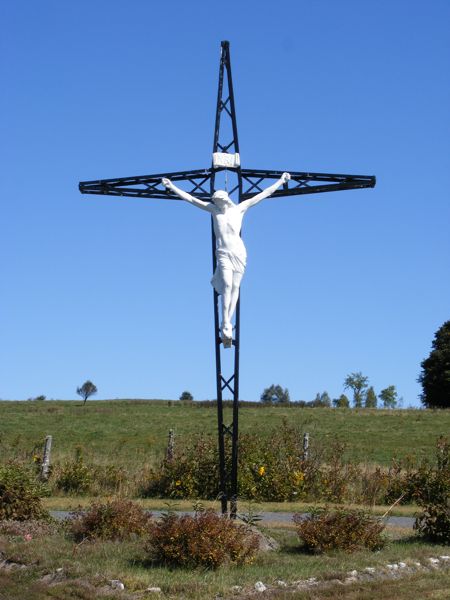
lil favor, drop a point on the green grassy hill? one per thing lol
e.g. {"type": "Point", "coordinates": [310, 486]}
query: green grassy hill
{"type": "Point", "coordinates": [124, 431]}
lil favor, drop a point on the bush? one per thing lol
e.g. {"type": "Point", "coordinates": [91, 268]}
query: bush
{"type": "Point", "coordinates": [434, 523]}
{"type": "Point", "coordinates": [335, 479]}
{"type": "Point", "coordinates": [20, 494]}
{"type": "Point", "coordinates": [400, 480]}
{"type": "Point", "coordinates": [349, 530]}
{"type": "Point", "coordinates": [270, 468]}
{"type": "Point", "coordinates": [107, 478]}
{"type": "Point", "coordinates": [372, 486]}
{"type": "Point", "coordinates": [431, 485]}
{"type": "Point", "coordinates": [113, 520]}
{"type": "Point", "coordinates": [192, 472]}
{"type": "Point", "coordinates": [203, 540]}
{"type": "Point", "coordinates": [75, 476]}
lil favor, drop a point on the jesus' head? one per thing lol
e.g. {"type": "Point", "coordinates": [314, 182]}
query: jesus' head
{"type": "Point", "coordinates": [221, 199]}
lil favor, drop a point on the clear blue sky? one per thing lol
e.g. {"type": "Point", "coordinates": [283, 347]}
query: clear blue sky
{"type": "Point", "coordinates": [117, 290]}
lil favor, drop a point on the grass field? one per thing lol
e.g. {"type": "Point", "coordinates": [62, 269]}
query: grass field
{"type": "Point", "coordinates": [130, 430]}
{"type": "Point", "coordinates": [132, 433]}
{"type": "Point", "coordinates": [82, 571]}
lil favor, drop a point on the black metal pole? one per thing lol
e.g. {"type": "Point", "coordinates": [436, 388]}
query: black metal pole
{"type": "Point", "coordinates": [228, 480]}
{"type": "Point", "coordinates": [217, 341]}
{"type": "Point", "coordinates": [237, 339]}
{"type": "Point", "coordinates": [220, 425]}
{"type": "Point", "coordinates": [235, 431]}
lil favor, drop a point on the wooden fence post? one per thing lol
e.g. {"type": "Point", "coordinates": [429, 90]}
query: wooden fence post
{"type": "Point", "coordinates": [305, 446]}
{"type": "Point", "coordinates": [170, 446]}
{"type": "Point", "coordinates": [45, 467]}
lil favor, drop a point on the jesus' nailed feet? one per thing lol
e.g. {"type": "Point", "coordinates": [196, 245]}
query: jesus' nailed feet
{"type": "Point", "coordinates": [227, 335]}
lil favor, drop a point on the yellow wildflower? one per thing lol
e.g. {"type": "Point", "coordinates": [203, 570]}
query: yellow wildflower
{"type": "Point", "coordinates": [299, 476]}
{"type": "Point", "coordinates": [178, 482]}
{"type": "Point", "coordinates": [262, 470]}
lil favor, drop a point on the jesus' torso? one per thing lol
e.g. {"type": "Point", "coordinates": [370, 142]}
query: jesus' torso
{"type": "Point", "coordinates": [227, 228]}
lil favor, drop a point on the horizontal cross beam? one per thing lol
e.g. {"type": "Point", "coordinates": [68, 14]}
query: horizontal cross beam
{"type": "Point", "coordinates": [150, 186]}
{"type": "Point", "coordinates": [302, 182]}
{"type": "Point", "coordinates": [254, 181]}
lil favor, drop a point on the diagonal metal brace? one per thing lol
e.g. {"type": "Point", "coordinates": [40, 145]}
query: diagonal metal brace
{"type": "Point", "coordinates": [228, 429]}
{"type": "Point", "coordinates": [225, 383]}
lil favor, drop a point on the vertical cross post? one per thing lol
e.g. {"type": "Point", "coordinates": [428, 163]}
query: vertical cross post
{"type": "Point", "coordinates": [226, 142]}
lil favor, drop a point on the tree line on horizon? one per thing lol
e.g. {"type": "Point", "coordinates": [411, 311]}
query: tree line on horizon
{"type": "Point", "coordinates": [363, 395]}
{"type": "Point", "coordinates": [434, 377]}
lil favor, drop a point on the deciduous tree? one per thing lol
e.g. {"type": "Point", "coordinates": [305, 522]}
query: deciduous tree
{"type": "Point", "coordinates": [275, 394]}
{"type": "Point", "coordinates": [358, 383]}
{"type": "Point", "coordinates": [389, 397]}
{"type": "Point", "coordinates": [86, 390]}
{"type": "Point", "coordinates": [321, 400]}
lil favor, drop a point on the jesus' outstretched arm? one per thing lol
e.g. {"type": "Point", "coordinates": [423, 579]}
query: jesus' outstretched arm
{"type": "Point", "coordinates": [246, 204]}
{"type": "Point", "coordinates": [185, 196]}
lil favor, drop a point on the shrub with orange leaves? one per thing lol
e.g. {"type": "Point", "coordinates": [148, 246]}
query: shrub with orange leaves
{"type": "Point", "coordinates": [202, 540]}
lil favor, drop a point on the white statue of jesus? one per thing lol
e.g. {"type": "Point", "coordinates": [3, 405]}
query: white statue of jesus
{"type": "Point", "coordinates": [231, 255]}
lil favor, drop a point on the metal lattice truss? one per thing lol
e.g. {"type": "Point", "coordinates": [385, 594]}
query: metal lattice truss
{"type": "Point", "coordinates": [197, 183]}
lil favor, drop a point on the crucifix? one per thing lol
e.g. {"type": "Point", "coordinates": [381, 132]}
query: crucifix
{"type": "Point", "coordinates": [228, 250]}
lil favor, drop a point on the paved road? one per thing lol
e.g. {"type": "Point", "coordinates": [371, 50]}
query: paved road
{"type": "Point", "coordinates": [282, 517]}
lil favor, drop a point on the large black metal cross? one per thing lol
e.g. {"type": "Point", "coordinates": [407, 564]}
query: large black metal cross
{"type": "Point", "coordinates": [241, 184]}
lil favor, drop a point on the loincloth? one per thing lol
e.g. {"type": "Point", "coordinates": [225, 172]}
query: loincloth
{"type": "Point", "coordinates": [227, 260]}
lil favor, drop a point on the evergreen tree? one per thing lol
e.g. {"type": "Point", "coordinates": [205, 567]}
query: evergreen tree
{"type": "Point", "coordinates": [435, 376]}
{"type": "Point", "coordinates": [341, 402]}
{"type": "Point", "coordinates": [371, 398]}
